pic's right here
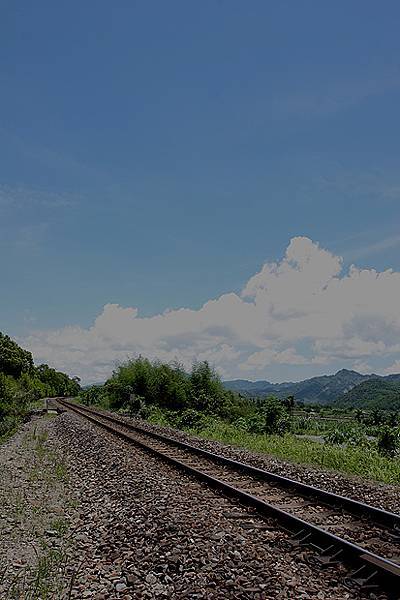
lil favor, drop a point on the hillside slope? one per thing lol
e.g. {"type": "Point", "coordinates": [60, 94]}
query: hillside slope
{"type": "Point", "coordinates": [375, 393]}
{"type": "Point", "coordinates": [325, 389]}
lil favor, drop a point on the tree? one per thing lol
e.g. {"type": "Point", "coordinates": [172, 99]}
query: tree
{"type": "Point", "coordinates": [14, 360]}
{"type": "Point", "coordinates": [57, 383]}
{"type": "Point", "coordinates": [276, 416]}
{"type": "Point", "coordinates": [21, 383]}
{"type": "Point", "coordinates": [289, 402]}
{"type": "Point", "coordinates": [393, 419]}
{"type": "Point", "coordinates": [207, 392]}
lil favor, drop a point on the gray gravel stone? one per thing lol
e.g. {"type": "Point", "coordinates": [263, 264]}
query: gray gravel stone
{"type": "Point", "coordinates": [141, 529]}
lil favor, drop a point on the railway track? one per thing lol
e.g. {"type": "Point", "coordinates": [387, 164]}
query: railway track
{"type": "Point", "coordinates": [338, 528]}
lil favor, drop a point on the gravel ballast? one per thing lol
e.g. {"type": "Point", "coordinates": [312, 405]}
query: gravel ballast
{"type": "Point", "coordinates": [377, 494]}
{"type": "Point", "coordinates": [135, 527]}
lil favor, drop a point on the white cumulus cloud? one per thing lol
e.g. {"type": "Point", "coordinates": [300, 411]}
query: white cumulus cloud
{"type": "Point", "coordinates": [394, 368]}
{"type": "Point", "coordinates": [301, 312]}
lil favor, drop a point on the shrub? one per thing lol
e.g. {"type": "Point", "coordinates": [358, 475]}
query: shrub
{"type": "Point", "coordinates": [389, 441]}
{"type": "Point", "coordinates": [335, 437]}
{"type": "Point", "coordinates": [256, 424]}
{"type": "Point", "coordinates": [169, 386]}
{"type": "Point", "coordinates": [190, 419]}
{"type": "Point", "coordinates": [93, 395]}
{"type": "Point", "coordinates": [349, 436]}
{"type": "Point", "coordinates": [276, 416]}
{"type": "Point", "coordinates": [134, 404]}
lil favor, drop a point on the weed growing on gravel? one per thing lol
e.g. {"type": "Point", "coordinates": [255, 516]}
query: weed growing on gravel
{"type": "Point", "coordinates": [55, 467]}
{"type": "Point", "coordinates": [35, 474]}
{"type": "Point", "coordinates": [40, 446]}
{"type": "Point", "coordinates": [60, 526]}
{"type": "Point", "coordinates": [46, 574]}
{"type": "Point", "coordinates": [45, 581]}
{"type": "Point", "coordinates": [49, 415]}
{"type": "Point", "coordinates": [60, 471]}
{"type": "Point", "coordinates": [72, 503]}
{"type": "Point", "coordinates": [19, 504]}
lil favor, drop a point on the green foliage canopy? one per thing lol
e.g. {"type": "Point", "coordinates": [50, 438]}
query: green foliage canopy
{"type": "Point", "coordinates": [21, 383]}
{"type": "Point", "coordinates": [13, 360]}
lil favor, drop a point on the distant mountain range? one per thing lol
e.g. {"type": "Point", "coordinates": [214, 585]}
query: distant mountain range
{"type": "Point", "coordinates": [322, 390]}
{"type": "Point", "coordinates": [374, 393]}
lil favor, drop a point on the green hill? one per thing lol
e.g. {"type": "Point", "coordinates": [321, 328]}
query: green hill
{"type": "Point", "coordinates": [374, 393]}
{"type": "Point", "coordinates": [325, 389]}
{"type": "Point", "coordinates": [322, 390]}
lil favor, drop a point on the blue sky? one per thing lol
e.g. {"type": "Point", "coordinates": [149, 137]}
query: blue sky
{"type": "Point", "coordinates": [155, 155]}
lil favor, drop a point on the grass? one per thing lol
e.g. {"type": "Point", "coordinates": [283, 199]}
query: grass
{"type": "Point", "coordinates": [40, 447]}
{"type": "Point", "coordinates": [9, 428]}
{"type": "Point", "coordinates": [364, 461]}
{"type": "Point", "coordinates": [56, 467]}
{"type": "Point", "coordinates": [60, 471]}
{"type": "Point", "coordinates": [44, 581]}
{"type": "Point", "coordinates": [357, 460]}
{"type": "Point", "coordinates": [46, 574]}
{"type": "Point", "coordinates": [48, 577]}
{"type": "Point", "coordinates": [60, 526]}
{"type": "Point", "coordinates": [19, 504]}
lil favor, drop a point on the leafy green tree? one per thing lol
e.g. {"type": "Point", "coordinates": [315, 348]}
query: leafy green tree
{"type": "Point", "coordinates": [22, 383]}
{"type": "Point", "coordinates": [359, 415]}
{"type": "Point", "coordinates": [130, 377]}
{"type": "Point", "coordinates": [276, 416]}
{"type": "Point", "coordinates": [289, 402]}
{"type": "Point", "coordinates": [377, 416]}
{"type": "Point", "coordinates": [96, 394]}
{"type": "Point", "coordinates": [14, 360]}
{"type": "Point", "coordinates": [170, 386]}
{"type": "Point", "coordinates": [207, 392]}
{"type": "Point", "coordinates": [8, 391]}
{"type": "Point", "coordinates": [57, 383]}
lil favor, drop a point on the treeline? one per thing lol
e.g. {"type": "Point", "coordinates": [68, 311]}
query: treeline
{"type": "Point", "coordinates": [22, 383]}
{"type": "Point", "coordinates": [138, 385]}
{"type": "Point", "coordinates": [198, 401]}
{"type": "Point", "coordinates": [142, 387]}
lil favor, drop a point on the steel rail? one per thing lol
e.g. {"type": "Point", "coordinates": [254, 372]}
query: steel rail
{"type": "Point", "coordinates": [383, 517]}
{"type": "Point", "coordinates": [372, 569]}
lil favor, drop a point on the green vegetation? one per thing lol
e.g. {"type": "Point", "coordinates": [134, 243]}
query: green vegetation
{"type": "Point", "coordinates": [22, 384]}
{"type": "Point", "coordinates": [60, 526]}
{"type": "Point", "coordinates": [328, 390]}
{"type": "Point", "coordinates": [138, 386]}
{"type": "Point", "coordinates": [375, 393]}
{"type": "Point", "coordinates": [365, 443]}
{"type": "Point", "coordinates": [45, 581]}
{"type": "Point", "coordinates": [364, 460]}
{"type": "Point", "coordinates": [43, 515]}
{"type": "Point", "coordinates": [46, 573]}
